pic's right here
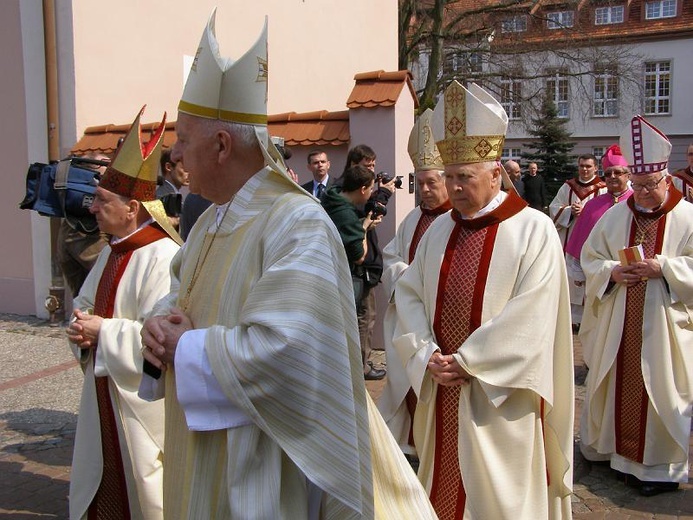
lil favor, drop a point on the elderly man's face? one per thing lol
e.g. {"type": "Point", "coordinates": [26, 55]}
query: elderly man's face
{"type": "Point", "coordinates": [471, 186]}
{"type": "Point", "coordinates": [431, 186]}
{"type": "Point", "coordinates": [195, 151]}
{"type": "Point", "coordinates": [649, 191]}
{"type": "Point", "coordinates": [111, 212]}
{"type": "Point", "coordinates": [616, 179]}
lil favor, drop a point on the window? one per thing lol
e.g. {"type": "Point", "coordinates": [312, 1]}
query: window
{"type": "Point", "coordinates": [516, 23]}
{"type": "Point", "coordinates": [598, 152]}
{"type": "Point", "coordinates": [657, 87]}
{"type": "Point", "coordinates": [608, 15]}
{"type": "Point", "coordinates": [660, 9]}
{"type": "Point", "coordinates": [560, 19]}
{"type": "Point", "coordinates": [514, 154]}
{"type": "Point", "coordinates": [605, 97]}
{"type": "Point", "coordinates": [557, 88]}
{"type": "Point", "coordinates": [463, 63]}
{"type": "Point", "coordinates": [511, 97]}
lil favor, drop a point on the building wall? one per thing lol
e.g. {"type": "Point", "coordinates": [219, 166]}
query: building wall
{"type": "Point", "coordinates": [114, 57]}
{"type": "Point", "coordinates": [22, 141]}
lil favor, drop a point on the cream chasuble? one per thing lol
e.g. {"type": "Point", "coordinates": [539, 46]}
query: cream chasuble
{"type": "Point", "coordinates": [653, 370]}
{"type": "Point", "coordinates": [140, 424]}
{"type": "Point", "coordinates": [514, 420]}
{"type": "Point", "coordinates": [396, 404]}
{"type": "Point", "coordinates": [275, 297]}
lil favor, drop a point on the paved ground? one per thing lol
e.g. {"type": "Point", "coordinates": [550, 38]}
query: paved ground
{"type": "Point", "coordinates": [39, 395]}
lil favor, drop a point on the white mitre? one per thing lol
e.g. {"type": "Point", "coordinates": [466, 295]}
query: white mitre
{"type": "Point", "coordinates": [645, 147]}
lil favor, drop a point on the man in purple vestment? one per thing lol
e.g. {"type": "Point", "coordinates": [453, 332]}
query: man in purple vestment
{"type": "Point", "coordinates": [617, 178]}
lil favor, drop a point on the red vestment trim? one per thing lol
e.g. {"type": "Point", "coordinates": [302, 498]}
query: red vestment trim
{"type": "Point", "coordinates": [631, 399]}
{"type": "Point", "coordinates": [459, 305]}
{"type": "Point", "coordinates": [584, 189]}
{"type": "Point", "coordinates": [425, 220]}
{"type": "Point", "coordinates": [111, 499]}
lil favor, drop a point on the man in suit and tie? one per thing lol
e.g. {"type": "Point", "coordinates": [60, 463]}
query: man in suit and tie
{"type": "Point", "coordinates": [319, 166]}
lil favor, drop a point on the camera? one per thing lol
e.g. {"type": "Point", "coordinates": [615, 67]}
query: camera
{"type": "Point", "coordinates": [384, 178]}
{"type": "Point", "coordinates": [376, 208]}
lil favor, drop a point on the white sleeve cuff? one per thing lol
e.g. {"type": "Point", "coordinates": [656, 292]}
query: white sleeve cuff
{"type": "Point", "coordinates": [204, 403]}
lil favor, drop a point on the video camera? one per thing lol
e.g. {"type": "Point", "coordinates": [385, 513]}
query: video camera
{"type": "Point", "coordinates": [384, 178]}
{"type": "Point", "coordinates": [64, 189]}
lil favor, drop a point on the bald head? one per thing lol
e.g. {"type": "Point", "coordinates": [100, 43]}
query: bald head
{"type": "Point", "coordinates": [513, 170]}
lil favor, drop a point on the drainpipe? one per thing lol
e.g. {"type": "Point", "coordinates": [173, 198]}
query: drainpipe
{"type": "Point", "coordinates": [55, 301]}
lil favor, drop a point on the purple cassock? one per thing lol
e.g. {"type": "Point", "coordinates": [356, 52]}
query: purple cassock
{"type": "Point", "coordinates": [592, 212]}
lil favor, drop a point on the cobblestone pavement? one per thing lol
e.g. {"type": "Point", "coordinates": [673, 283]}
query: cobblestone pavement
{"type": "Point", "coordinates": [39, 395]}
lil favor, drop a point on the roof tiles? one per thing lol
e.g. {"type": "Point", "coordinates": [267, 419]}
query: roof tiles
{"type": "Point", "coordinates": [380, 89]}
{"type": "Point", "coordinates": [311, 128]}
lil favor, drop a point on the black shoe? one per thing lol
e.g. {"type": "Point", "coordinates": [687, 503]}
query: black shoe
{"type": "Point", "coordinates": [374, 374]}
{"type": "Point", "coordinates": [650, 489]}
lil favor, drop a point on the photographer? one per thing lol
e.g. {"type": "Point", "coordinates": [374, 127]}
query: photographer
{"type": "Point", "coordinates": [340, 203]}
{"type": "Point", "coordinates": [364, 155]}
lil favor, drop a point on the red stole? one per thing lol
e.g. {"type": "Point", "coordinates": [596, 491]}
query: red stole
{"type": "Point", "coordinates": [425, 220]}
{"type": "Point", "coordinates": [631, 395]}
{"type": "Point", "coordinates": [461, 287]}
{"type": "Point", "coordinates": [111, 498]}
{"type": "Point", "coordinates": [686, 177]}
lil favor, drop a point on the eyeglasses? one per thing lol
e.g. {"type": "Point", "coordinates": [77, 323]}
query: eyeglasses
{"type": "Point", "coordinates": [649, 186]}
{"type": "Point", "coordinates": [615, 173]}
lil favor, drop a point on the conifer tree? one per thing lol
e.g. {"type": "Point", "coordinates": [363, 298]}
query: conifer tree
{"type": "Point", "coordinates": [552, 146]}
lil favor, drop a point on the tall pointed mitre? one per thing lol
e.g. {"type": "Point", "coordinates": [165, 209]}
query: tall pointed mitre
{"type": "Point", "coordinates": [234, 91]}
{"type": "Point", "coordinates": [645, 147]}
{"type": "Point", "coordinates": [422, 147]}
{"type": "Point", "coordinates": [469, 125]}
{"type": "Point", "coordinates": [133, 172]}
{"type": "Point", "coordinates": [221, 88]}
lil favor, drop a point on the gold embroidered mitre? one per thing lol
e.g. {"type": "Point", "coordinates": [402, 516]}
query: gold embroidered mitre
{"type": "Point", "coordinates": [221, 88]}
{"type": "Point", "coordinates": [134, 169]}
{"type": "Point", "coordinates": [469, 125]}
{"type": "Point", "coordinates": [422, 147]}
{"type": "Point", "coordinates": [645, 147]}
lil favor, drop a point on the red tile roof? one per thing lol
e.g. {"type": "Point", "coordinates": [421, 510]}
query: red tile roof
{"type": "Point", "coordinates": [104, 138]}
{"type": "Point", "coordinates": [311, 128]}
{"type": "Point", "coordinates": [380, 89]}
{"type": "Point", "coordinates": [320, 128]}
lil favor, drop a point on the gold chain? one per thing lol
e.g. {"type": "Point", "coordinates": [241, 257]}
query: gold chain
{"type": "Point", "coordinates": [196, 273]}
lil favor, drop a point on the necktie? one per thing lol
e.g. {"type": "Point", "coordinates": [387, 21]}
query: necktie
{"type": "Point", "coordinates": [319, 190]}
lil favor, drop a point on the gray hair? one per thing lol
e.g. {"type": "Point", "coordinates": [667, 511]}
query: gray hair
{"type": "Point", "coordinates": [244, 134]}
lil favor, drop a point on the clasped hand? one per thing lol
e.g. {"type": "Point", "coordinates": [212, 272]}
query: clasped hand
{"type": "Point", "coordinates": [637, 272]}
{"type": "Point", "coordinates": [84, 330]}
{"type": "Point", "coordinates": [446, 371]}
{"type": "Point", "coordinates": [160, 336]}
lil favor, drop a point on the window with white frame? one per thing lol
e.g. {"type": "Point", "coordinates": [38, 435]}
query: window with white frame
{"type": "Point", "coordinates": [657, 9]}
{"type": "Point", "coordinates": [657, 88]}
{"type": "Point", "coordinates": [511, 154]}
{"type": "Point", "coordinates": [608, 15]}
{"type": "Point", "coordinates": [605, 96]}
{"type": "Point", "coordinates": [515, 23]}
{"type": "Point", "coordinates": [560, 19]}
{"type": "Point", "coordinates": [511, 97]}
{"type": "Point", "coordinates": [558, 88]}
{"type": "Point", "coordinates": [598, 152]}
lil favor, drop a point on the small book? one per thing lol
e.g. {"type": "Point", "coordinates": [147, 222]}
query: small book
{"type": "Point", "coordinates": [631, 255]}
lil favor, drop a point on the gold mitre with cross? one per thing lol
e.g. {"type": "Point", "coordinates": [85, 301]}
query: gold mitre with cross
{"type": "Point", "coordinates": [469, 125]}
{"type": "Point", "coordinates": [645, 147]}
{"type": "Point", "coordinates": [133, 172]}
{"type": "Point", "coordinates": [224, 89]}
{"type": "Point", "coordinates": [422, 147]}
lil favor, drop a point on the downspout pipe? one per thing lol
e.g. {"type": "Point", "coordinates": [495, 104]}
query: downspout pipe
{"type": "Point", "coordinates": [55, 301]}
